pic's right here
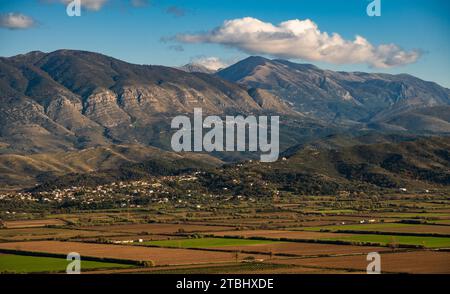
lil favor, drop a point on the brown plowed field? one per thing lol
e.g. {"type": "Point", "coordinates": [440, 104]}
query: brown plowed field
{"type": "Point", "coordinates": [123, 237]}
{"type": "Point", "coordinates": [419, 262]}
{"type": "Point", "coordinates": [48, 233]}
{"type": "Point", "coordinates": [161, 256]}
{"type": "Point", "coordinates": [279, 234]}
{"type": "Point", "coordinates": [33, 223]}
{"type": "Point", "coordinates": [157, 228]}
{"type": "Point", "coordinates": [306, 249]}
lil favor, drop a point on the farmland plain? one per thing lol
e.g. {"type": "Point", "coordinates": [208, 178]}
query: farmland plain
{"type": "Point", "coordinates": [10, 263]}
{"type": "Point", "coordinates": [293, 235]}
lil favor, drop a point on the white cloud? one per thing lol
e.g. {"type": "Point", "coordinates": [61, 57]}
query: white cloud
{"type": "Point", "coordinates": [212, 63]}
{"type": "Point", "coordinates": [15, 21]}
{"type": "Point", "coordinates": [301, 39]}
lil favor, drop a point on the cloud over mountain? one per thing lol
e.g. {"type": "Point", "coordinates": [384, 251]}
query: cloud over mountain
{"type": "Point", "coordinates": [212, 63]}
{"type": "Point", "coordinates": [16, 21]}
{"type": "Point", "coordinates": [301, 39]}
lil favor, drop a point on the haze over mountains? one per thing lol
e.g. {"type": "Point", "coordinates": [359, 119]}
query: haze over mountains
{"type": "Point", "coordinates": [67, 101]}
{"type": "Point", "coordinates": [195, 67]}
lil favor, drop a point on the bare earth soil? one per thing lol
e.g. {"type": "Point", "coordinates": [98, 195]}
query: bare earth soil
{"type": "Point", "coordinates": [420, 262]}
{"type": "Point", "coordinates": [279, 234]}
{"type": "Point", "coordinates": [307, 249]}
{"type": "Point", "coordinates": [33, 223]}
{"type": "Point", "coordinates": [157, 228]}
{"type": "Point", "coordinates": [48, 233]}
{"type": "Point", "coordinates": [161, 256]}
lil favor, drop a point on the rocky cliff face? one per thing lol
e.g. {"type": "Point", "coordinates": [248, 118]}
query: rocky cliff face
{"type": "Point", "coordinates": [71, 99]}
{"type": "Point", "coordinates": [338, 96]}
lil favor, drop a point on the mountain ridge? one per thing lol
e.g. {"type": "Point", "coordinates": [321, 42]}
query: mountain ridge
{"type": "Point", "coordinates": [75, 99]}
{"type": "Point", "coordinates": [419, 165]}
{"type": "Point", "coordinates": [69, 100]}
{"type": "Point", "coordinates": [355, 97]}
{"type": "Point", "coordinates": [196, 67]}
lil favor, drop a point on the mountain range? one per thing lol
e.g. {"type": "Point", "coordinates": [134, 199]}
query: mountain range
{"type": "Point", "coordinates": [69, 100]}
{"type": "Point", "coordinates": [379, 101]}
{"type": "Point", "coordinates": [72, 111]}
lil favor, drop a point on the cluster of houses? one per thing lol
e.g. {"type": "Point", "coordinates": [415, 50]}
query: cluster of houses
{"type": "Point", "coordinates": [155, 190]}
{"type": "Point", "coordinates": [126, 241]}
{"type": "Point", "coordinates": [87, 195]}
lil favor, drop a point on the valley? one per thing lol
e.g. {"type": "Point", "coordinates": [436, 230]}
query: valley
{"type": "Point", "coordinates": [86, 166]}
{"type": "Point", "coordinates": [310, 234]}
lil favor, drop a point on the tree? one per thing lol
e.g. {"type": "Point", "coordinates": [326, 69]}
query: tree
{"type": "Point", "coordinates": [147, 263]}
{"type": "Point", "coordinates": [236, 255]}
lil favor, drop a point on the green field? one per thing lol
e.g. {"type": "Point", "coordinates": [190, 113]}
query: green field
{"type": "Point", "coordinates": [388, 228]}
{"type": "Point", "coordinates": [205, 242]}
{"type": "Point", "coordinates": [440, 222]}
{"type": "Point", "coordinates": [33, 264]}
{"type": "Point", "coordinates": [415, 214]}
{"type": "Point", "coordinates": [358, 227]}
{"type": "Point", "coordinates": [430, 242]}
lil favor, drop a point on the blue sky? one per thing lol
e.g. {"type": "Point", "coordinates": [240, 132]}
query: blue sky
{"type": "Point", "coordinates": [135, 34]}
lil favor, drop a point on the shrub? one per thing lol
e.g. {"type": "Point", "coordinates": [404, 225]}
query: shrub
{"type": "Point", "coordinates": [147, 263]}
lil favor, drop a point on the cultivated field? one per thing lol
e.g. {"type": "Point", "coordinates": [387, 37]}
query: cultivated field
{"type": "Point", "coordinates": [277, 234]}
{"type": "Point", "coordinates": [10, 263]}
{"type": "Point", "coordinates": [33, 223]}
{"type": "Point", "coordinates": [157, 228]}
{"type": "Point", "coordinates": [394, 241]}
{"type": "Point", "coordinates": [208, 243]}
{"type": "Point", "coordinates": [294, 235]}
{"type": "Point", "coordinates": [423, 262]}
{"type": "Point", "coordinates": [160, 256]}
{"type": "Point", "coordinates": [306, 249]}
{"type": "Point", "coordinates": [49, 233]}
{"type": "Point", "coordinates": [387, 228]}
